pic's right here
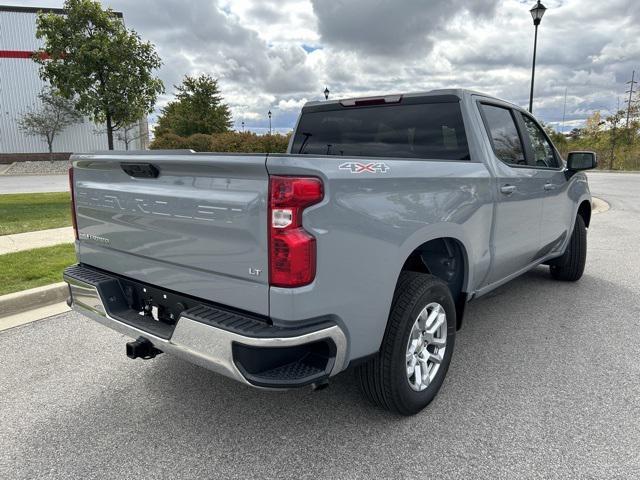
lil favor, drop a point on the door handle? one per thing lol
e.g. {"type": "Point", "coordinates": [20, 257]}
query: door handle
{"type": "Point", "coordinates": [507, 189]}
{"type": "Point", "coordinates": [549, 186]}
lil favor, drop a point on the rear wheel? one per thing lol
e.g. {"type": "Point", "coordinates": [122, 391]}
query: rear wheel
{"type": "Point", "coordinates": [417, 347]}
{"type": "Point", "coordinates": [570, 266]}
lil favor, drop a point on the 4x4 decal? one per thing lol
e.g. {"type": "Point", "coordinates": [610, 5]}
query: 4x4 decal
{"type": "Point", "coordinates": [357, 167]}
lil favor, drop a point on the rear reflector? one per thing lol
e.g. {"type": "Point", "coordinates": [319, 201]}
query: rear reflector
{"type": "Point", "coordinates": [292, 250]}
{"type": "Point", "coordinates": [74, 221]}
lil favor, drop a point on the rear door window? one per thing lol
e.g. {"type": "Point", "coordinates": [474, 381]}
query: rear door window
{"type": "Point", "coordinates": [422, 130]}
{"type": "Point", "coordinates": [504, 135]}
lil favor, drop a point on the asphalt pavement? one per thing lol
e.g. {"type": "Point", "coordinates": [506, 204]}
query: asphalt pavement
{"type": "Point", "coordinates": [544, 383]}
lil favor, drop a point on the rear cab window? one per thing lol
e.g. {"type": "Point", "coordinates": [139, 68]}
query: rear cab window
{"type": "Point", "coordinates": [503, 132]}
{"type": "Point", "coordinates": [431, 130]}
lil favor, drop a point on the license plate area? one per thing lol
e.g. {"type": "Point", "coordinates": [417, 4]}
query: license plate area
{"type": "Point", "coordinates": [154, 303]}
{"type": "Point", "coordinates": [155, 310]}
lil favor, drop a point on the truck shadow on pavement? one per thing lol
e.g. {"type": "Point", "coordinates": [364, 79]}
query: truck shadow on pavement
{"type": "Point", "coordinates": [530, 319]}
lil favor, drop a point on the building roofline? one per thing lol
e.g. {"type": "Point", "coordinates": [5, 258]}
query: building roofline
{"type": "Point", "coordinates": [18, 9]}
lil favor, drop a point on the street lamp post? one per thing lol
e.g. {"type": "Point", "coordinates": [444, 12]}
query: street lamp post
{"type": "Point", "coordinates": [326, 93]}
{"type": "Point", "coordinates": [269, 121]}
{"type": "Point", "coordinates": [536, 13]}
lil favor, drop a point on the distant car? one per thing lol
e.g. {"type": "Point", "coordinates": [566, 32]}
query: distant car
{"type": "Point", "coordinates": [358, 248]}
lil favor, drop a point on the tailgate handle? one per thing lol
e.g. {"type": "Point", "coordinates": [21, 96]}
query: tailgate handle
{"type": "Point", "coordinates": [140, 170]}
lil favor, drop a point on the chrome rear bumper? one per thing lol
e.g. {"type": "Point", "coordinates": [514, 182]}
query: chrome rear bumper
{"type": "Point", "coordinates": [198, 342]}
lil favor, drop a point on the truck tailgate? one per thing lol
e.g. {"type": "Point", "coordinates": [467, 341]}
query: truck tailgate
{"type": "Point", "coordinates": [199, 227]}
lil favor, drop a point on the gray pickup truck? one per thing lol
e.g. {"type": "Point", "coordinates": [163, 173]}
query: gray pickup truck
{"type": "Point", "coordinates": [359, 248]}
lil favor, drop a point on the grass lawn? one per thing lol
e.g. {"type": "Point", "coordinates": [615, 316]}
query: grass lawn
{"type": "Point", "coordinates": [27, 212]}
{"type": "Point", "coordinates": [34, 268]}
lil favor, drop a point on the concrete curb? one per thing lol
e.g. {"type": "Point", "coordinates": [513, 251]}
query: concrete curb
{"type": "Point", "coordinates": [598, 205]}
{"type": "Point", "coordinates": [34, 315]}
{"type": "Point", "coordinates": [19, 302]}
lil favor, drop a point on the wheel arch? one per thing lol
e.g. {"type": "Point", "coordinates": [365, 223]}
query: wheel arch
{"type": "Point", "coordinates": [584, 210]}
{"type": "Point", "coordinates": [445, 258]}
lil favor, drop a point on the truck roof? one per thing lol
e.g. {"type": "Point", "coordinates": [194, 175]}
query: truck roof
{"type": "Point", "coordinates": [459, 92]}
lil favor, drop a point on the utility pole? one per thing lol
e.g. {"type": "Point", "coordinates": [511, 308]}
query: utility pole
{"type": "Point", "coordinates": [564, 110]}
{"type": "Point", "coordinates": [630, 92]}
{"type": "Point", "coordinates": [614, 135]}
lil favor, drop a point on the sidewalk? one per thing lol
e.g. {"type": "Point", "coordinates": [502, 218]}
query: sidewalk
{"type": "Point", "coordinates": [43, 238]}
{"type": "Point", "coordinates": [33, 183]}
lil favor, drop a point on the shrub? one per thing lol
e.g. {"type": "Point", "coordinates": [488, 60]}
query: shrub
{"type": "Point", "coordinates": [249, 142]}
{"type": "Point", "coordinates": [275, 143]}
{"type": "Point", "coordinates": [237, 142]}
{"type": "Point", "coordinates": [200, 142]}
{"type": "Point", "coordinates": [233, 142]}
{"type": "Point", "coordinates": [169, 141]}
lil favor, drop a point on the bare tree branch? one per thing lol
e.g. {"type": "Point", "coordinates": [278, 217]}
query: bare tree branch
{"type": "Point", "coordinates": [54, 114]}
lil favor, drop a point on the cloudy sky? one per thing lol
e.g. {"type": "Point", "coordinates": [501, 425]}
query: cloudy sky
{"type": "Point", "coordinates": [278, 54]}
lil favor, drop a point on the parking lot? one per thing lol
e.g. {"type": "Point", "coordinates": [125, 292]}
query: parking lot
{"type": "Point", "coordinates": [544, 383]}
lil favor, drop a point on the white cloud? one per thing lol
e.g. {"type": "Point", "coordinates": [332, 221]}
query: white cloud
{"type": "Point", "coordinates": [291, 104]}
{"type": "Point", "coordinates": [276, 54]}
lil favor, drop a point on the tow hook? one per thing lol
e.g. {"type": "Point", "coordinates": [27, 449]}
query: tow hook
{"type": "Point", "coordinates": [142, 348]}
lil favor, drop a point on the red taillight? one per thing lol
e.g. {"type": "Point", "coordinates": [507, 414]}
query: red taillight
{"type": "Point", "coordinates": [73, 203]}
{"type": "Point", "coordinates": [292, 250]}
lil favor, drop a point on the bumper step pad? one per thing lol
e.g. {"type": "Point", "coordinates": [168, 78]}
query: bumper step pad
{"type": "Point", "coordinates": [247, 324]}
{"type": "Point", "coordinates": [292, 371]}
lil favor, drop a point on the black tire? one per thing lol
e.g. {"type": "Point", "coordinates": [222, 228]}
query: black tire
{"type": "Point", "coordinates": [383, 379]}
{"type": "Point", "coordinates": [570, 266]}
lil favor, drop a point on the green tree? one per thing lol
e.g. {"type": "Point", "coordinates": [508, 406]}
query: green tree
{"type": "Point", "coordinates": [198, 108]}
{"type": "Point", "coordinates": [634, 119]}
{"type": "Point", "coordinates": [576, 133]}
{"type": "Point", "coordinates": [54, 114]}
{"type": "Point", "coordinates": [89, 56]}
{"type": "Point", "coordinates": [613, 123]}
{"type": "Point", "coordinates": [558, 139]}
{"type": "Point", "coordinates": [593, 125]}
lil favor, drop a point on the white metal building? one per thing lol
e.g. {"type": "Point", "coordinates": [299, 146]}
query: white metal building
{"type": "Point", "coordinates": [20, 85]}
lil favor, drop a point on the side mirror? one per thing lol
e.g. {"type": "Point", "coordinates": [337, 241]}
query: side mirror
{"type": "Point", "coordinates": [581, 161]}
